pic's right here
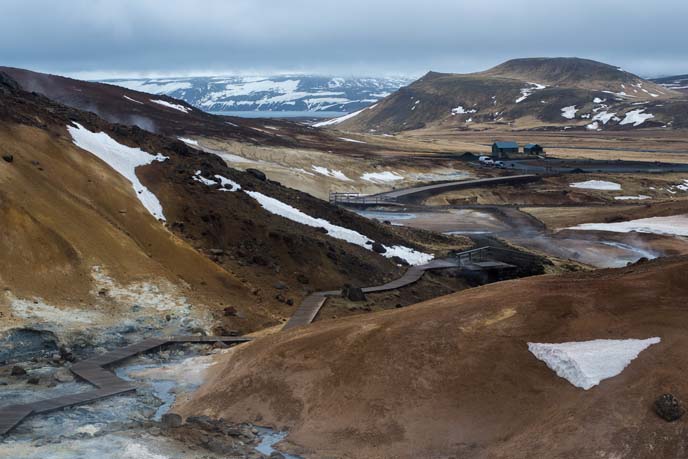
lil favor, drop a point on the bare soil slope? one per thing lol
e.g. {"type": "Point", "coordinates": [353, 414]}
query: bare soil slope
{"type": "Point", "coordinates": [453, 377]}
{"type": "Point", "coordinates": [67, 212]}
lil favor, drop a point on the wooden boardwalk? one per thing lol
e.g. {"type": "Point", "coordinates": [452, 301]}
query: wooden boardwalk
{"type": "Point", "coordinates": [311, 305]}
{"type": "Point", "coordinates": [94, 372]}
{"type": "Point", "coordinates": [414, 194]}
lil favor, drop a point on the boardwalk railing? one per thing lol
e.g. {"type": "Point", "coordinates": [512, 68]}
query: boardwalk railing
{"type": "Point", "coordinates": [359, 199]}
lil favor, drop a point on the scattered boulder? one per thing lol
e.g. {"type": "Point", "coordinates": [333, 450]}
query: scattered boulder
{"type": "Point", "coordinates": [63, 375]}
{"type": "Point", "coordinates": [260, 175]}
{"type": "Point", "coordinates": [8, 158]}
{"type": "Point", "coordinates": [18, 371]}
{"type": "Point", "coordinates": [669, 408]}
{"type": "Point", "coordinates": [34, 380]}
{"type": "Point", "coordinates": [400, 261]}
{"type": "Point", "coordinates": [378, 248]}
{"type": "Point", "coordinates": [171, 420]}
{"type": "Point", "coordinates": [279, 285]}
{"type": "Point", "coordinates": [217, 252]}
{"type": "Point", "coordinates": [230, 311]}
{"type": "Point", "coordinates": [353, 293]}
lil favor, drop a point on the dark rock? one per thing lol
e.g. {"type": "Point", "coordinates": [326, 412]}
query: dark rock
{"type": "Point", "coordinates": [387, 222]}
{"type": "Point", "coordinates": [171, 420]}
{"type": "Point", "coordinates": [34, 380]}
{"type": "Point", "coordinates": [8, 158]}
{"type": "Point", "coordinates": [303, 279]}
{"type": "Point", "coordinates": [378, 248]}
{"type": "Point", "coordinates": [18, 371]}
{"type": "Point", "coordinates": [217, 251]}
{"type": "Point", "coordinates": [230, 311]}
{"type": "Point", "coordinates": [260, 175]}
{"type": "Point", "coordinates": [279, 285]}
{"type": "Point", "coordinates": [276, 455]}
{"type": "Point", "coordinates": [353, 293]}
{"type": "Point", "coordinates": [320, 229]}
{"type": "Point", "coordinates": [219, 345]}
{"type": "Point", "coordinates": [290, 302]}
{"type": "Point", "coordinates": [669, 408]}
{"type": "Point", "coordinates": [400, 261]}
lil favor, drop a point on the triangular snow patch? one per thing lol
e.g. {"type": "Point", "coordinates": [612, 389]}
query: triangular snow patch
{"type": "Point", "coordinates": [585, 363]}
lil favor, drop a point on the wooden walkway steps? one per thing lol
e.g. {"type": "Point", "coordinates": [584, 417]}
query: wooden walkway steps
{"type": "Point", "coordinates": [94, 372]}
{"type": "Point", "coordinates": [312, 304]}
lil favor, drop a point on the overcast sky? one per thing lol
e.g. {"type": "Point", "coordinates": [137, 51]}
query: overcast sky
{"type": "Point", "coordinates": [97, 38]}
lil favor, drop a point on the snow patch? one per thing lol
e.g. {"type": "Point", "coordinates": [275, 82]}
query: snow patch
{"type": "Point", "coordinates": [345, 139]}
{"type": "Point", "coordinates": [526, 92]}
{"type": "Point", "coordinates": [597, 185]}
{"type": "Point", "coordinates": [640, 197]}
{"type": "Point", "coordinates": [177, 107]}
{"type": "Point", "coordinates": [569, 112]}
{"type": "Point", "coordinates": [122, 159]}
{"type": "Point", "coordinates": [341, 119]}
{"type": "Point", "coordinates": [585, 363]}
{"type": "Point", "coordinates": [337, 174]}
{"type": "Point", "coordinates": [636, 117]}
{"type": "Point", "coordinates": [133, 100]}
{"type": "Point", "coordinates": [676, 225]}
{"type": "Point", "coordinates": [276, 207]}
{"type": "Point", "coordinates": [461, 111]}
{"type": "Point", "coordinates": [189, 141]}
{"type": "Point", "coordinates": [381, 177]}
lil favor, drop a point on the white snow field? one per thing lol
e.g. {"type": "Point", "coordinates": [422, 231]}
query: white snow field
{"type": "Point", "coordinates": [676, 225]}
{"type": "Point", "coordinates": [276, 207]}
{"type": "Point", "coordinates": [569, 112]}
{"type": "Point", "coordinates": [187, 141]}
{"type": "Point", "coordinates": [597, 185]}
{"type": "Point", "coordinates": [585, 363]}
{"type": "Point", "coordinates": [381, 177]}
{"type": "Point", "coordinates": [526, 92]}
{"type": "Point", "coordinates": [341, 119]}
{"type": "Point", "coordinates": [178, 107]}
{"type": "Point", "coordinates": [636, 117]}
{"type": "Point", "coordinates": [640, 197]}
{"type": "Point", "coordinates": [122, 159]}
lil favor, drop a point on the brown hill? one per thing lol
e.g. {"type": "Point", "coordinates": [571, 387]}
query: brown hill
{"type": "Point", "coordinates": [529, 94]}
{"type": "Point", "coordinates": [453, 377]}
{"type": "Point", "coordinates": [67, 212]}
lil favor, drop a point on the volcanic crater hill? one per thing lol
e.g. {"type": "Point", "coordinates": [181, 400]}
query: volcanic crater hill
{"type": "Point", "coordinates": [527, 94]}
{"type": "Point", "coordinates": [453, 377]}
{"type": "Point", "coordinates": [165, 115]}
{"type": "Point", "coordinates": [67, 212]}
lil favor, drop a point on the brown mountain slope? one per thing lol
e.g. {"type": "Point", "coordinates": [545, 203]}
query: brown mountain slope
{"type": "Point", "coordinates": [532, 93]}
{"type": "Point", "coordinates": [453, 377]}
{"type": "Point", "coordinates": [68, 215]}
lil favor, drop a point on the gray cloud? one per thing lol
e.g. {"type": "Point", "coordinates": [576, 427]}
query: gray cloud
{"type": "Point", "coordinates": [346, 37]}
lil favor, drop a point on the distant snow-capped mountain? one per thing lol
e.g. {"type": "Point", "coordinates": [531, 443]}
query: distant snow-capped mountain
{"type": "Point", "coordinates": [270, 93]}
